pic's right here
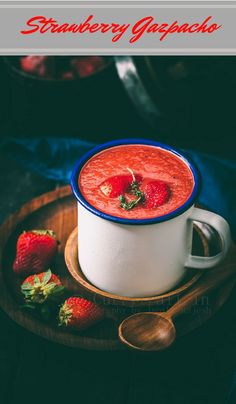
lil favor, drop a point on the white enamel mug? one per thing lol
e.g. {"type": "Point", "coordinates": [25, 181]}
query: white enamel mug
{"type": "Point", "coordinates": [138, 258]}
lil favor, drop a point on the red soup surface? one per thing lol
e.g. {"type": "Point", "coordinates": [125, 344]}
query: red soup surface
{"type": "Point", "coordinates": [149, 163]}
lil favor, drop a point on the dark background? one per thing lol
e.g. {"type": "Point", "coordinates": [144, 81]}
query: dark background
{"type": "Point", "coordinates": [196, 97]}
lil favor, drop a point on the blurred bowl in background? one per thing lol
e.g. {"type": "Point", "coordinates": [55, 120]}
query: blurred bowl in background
{"type": "Point", "coordinates": [186, 101]}
{"type": "Point", "coordinates": [95, 107]}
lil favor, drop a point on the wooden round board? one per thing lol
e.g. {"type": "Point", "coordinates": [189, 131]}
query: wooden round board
{"type": "Point", "coordinates": [103, 297]}
{"type": "Point", "coordinates": [57, 210]}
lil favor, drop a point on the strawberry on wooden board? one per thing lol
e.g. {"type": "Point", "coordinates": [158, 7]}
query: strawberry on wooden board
{"type": "Point", "coordinates": [117, 185]}
{"type": "Point", "coordinates": [156, 193]}
{"type": "Point", "coordinates": [79, 313]}
{"type": "Point", "coordinates": [42, 287]}
{"type": "Point", "coordinates": [35, 251]}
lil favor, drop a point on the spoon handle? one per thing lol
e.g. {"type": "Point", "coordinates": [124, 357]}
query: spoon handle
{"type": "Point", "coordinates": [209, 282]}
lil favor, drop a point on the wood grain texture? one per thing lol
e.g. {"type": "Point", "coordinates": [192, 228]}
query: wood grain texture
{"type": "Point", "coordinates": [57, 210]}
{"type": "Point", "coordinates": [153, 331]}
{"type": "Point", "coordinates": [72, 262]}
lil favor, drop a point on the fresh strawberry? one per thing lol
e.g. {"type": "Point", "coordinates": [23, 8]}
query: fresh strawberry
{"type": "Point", "coordinates": [156, 193]}
{"type": "Point", "coordinates": [67, 75]}
{"type": "Point", "coordinates": [86, 66]}
{"type": "Point", "coordinates": [41, 287]}
{"type": "Point", "coordinates": [79, 313]}
{"type": "Point", "coordinates": [34, 64]}
{"type": "Point", "coordinates": [118, 184]}
{"type": "Point", "coordinates": [34, 251]}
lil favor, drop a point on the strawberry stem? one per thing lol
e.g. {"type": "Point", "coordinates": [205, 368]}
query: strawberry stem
{"type": "Point", "coordinates": [134, 189]}
{"type": "Point", "coordinates": [44, 233]}
{"type": "Point", "coordinates": [132, 173]}
{"type": "Point", "coordinates": [65, 314]}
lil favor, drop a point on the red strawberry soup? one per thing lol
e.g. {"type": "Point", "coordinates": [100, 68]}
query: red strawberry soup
{"type": "Point", "coordinates": [136, 181]}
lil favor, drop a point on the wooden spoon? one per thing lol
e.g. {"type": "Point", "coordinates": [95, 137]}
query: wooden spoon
{"type": "Point", "coordinates": [153, 331]}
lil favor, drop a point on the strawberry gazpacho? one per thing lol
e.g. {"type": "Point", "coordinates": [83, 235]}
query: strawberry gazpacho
{"type": "Point", "coordinates": [136, 181]}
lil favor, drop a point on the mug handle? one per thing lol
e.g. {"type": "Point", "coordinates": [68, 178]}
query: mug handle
{"type": "Point", "coordinates": [223, 230]}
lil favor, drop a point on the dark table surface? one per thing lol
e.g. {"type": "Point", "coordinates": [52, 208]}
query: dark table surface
{"type": "Point", "coordinates": [196, 370]}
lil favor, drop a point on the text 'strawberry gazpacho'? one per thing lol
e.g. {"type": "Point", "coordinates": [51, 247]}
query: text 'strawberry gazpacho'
{"type": "Point", "coordinates": [136, 181]}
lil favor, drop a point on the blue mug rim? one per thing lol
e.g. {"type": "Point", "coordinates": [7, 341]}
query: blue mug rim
{"type": "Point", "coordinates": [80, 198]}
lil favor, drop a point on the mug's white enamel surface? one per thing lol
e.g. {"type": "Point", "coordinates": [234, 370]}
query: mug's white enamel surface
{"type": "Point", "coordinates": [131, 260]}
{"type": "Point", "coordinates": [138, 260]}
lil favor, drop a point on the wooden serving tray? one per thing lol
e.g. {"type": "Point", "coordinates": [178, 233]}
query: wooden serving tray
{"type": "Point", "coordinates": [103, 297]}
{"type": "Point", "coordinates": [57, 210]}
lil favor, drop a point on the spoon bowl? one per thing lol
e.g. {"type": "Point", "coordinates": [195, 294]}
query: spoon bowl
{"type": "Point", "coordinates": [159, 331]}
{"type": "Point", "coordinates": [154, 331]}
